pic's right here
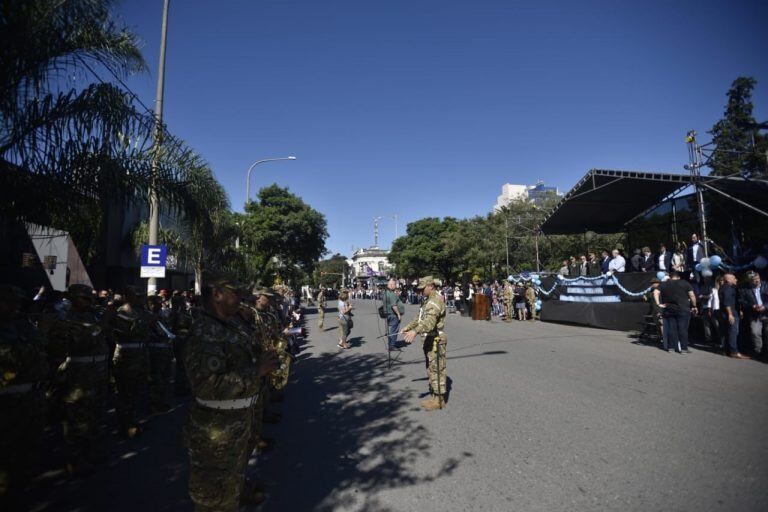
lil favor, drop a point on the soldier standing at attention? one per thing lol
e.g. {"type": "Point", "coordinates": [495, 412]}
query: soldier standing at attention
{"type": "Point", "coordinates": [131, 331]}
{"type": "Point", "coordinates": [509, 298]}
{"type": "Point", "coordinates": [320, 308]}
{"type": "Point", "coordinates": [161, 360]}
{"type": "Point", "coordinates": [530, 298]}
{"type": "Point", "coordinates": [23, 368]}
{"type": "Point", "coordinates": [79, 350]}
{"type": "Point", "coordinates": [430, 324]}
{"type": "Point", "coordinates": [224, 376]}
{"type": "Point", "coordinates": [181, 322]}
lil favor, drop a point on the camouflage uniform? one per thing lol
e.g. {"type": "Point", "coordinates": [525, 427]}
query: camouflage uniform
{"type": "Point", "coordinates": [509, 298]}
{"type": "Point", "coordinates": [23, 368]}
{"type": "Point", "coordinates": [181, 323]}
{"type": "Point", "coordinates": [80, 356]}
{"type": "Point", "coordinates": [430, 324]}
{"type": "Point", "coordinates": [161, 366]}
{"type": "Point", "coordinates": [131, 332]}
{"type": "Point", "coordinates": [223, 375]}
{"type": "Point", "coordinates": [320, 309]}
{"type": "Point", "coordinates": [530, 298]}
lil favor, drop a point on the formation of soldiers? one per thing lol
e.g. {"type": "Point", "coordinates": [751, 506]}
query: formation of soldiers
{"type": "Point", "coordinates": [61, 366]}
{"type": "Point", "coordinates": [58, 366]}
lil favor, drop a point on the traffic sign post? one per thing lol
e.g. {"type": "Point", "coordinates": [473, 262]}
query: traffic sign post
{"type": "Point", "coordinates": [153, 260]}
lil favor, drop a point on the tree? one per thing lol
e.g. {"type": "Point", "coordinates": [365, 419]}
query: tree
{"type": "Point", "coordinates": [739, 147]}
{"type": "Point", "coordinates": [422, 250]}
{"type": "Point", "coordinates": [280, 232]}
{"type": "Point", "coordinates": [72, 144]}
{"type": "Point", "coordinates": [330, 273]}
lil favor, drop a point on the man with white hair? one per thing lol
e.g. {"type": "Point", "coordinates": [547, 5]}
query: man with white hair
{"type": "Point", "coordinates": [618, 263]}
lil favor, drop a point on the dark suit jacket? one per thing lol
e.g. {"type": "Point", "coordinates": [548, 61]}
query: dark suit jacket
{"type": "Point", "coordinates": [747, 300]}
{"type": "Point", "coordinates": [604, 264]}
{"type": "Point", "coordinates": [649, 265]}
{"type": "Point", "coordinates": [635, 262]}
{"type": "Point", "coordinates": [689, 261]}
{"type": "Point", "coordinates": [667, 261]}
{"type": "Point", "coordinates": [573, 269]}
{"type": "Point", "coordinates": [593, 268]}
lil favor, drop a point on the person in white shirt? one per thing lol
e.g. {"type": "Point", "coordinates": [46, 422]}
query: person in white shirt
{"type": "Point", "coordinates": [618, 263]}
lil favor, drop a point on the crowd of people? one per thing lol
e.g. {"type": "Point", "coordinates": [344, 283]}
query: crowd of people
{"type": "Point", "coordinates": [67, 358]}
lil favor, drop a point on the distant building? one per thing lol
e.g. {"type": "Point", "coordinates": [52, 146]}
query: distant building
{"type": "Point", "coordinates": [535, 193]}
{"type": "Point", "coordinates": [369, 265]}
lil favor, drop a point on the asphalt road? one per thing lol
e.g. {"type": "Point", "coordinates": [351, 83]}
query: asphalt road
{"type": "Point", "coordinates": [541, 417]}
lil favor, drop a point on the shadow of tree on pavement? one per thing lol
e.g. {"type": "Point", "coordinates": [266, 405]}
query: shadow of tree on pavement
{"type": "Point", "coordinates": [346, 434]}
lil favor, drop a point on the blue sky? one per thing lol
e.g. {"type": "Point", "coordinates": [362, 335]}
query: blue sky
{"type": "Point", "coordinates": [426, 107]}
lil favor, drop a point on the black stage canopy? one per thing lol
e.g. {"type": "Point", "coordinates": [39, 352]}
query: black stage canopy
{"type": "Point", "coordinates": [604, 201]}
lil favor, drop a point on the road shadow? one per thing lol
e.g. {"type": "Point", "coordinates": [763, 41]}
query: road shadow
{"type": "Point", "coordinates": [146, 473]}
{"type": "Point", "coordinates": [346, 434]}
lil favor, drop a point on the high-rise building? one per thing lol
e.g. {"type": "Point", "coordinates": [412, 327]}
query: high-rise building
{"type": "Point", "coordinates": [535, 193]}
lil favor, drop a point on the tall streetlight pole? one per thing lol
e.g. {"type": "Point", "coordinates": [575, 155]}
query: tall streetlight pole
{"type": "Point", "coordinates": [250, 169]}
{"type": "Point", "coordinates": [154, 203]}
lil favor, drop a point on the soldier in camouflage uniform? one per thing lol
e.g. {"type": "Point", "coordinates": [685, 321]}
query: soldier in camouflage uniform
{"type": "Point", "coordinates": [430, 324]}
{"type": "Point", "coordinates": [161, 359]}
{"type": "Point", "coordinates": [131, 328]}
{"type": "Point", "coordinates": [320, 308]}
{"type": "Point", "coordinates": [509, 299]}
{"type": "Point", "coordinates": [270, 324]}
{"type": "Point", "coordinates": [224, 376]}
{"type": "Point", "coordinates": [79, 353]}
{"type": "Point", "coordinates": [181, 323]}
{"type": "Point", "coordinates": [23, 368]}
{"type": "Point", "coordinates": [530, 298]}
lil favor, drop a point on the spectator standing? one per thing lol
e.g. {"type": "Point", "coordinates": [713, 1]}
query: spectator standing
{"type": "Point", "coordinates": [710, 305]}
{"type": "Point", "coordinates": [635, 262]}
{"type": "Point", "coordinates": [647, 264]}
{"type": "Point", "coordinates": [345, 319]}
{"type": "Point", "coordinates": [695, 252]}
{"type": "Point", "coordinates": [664, 259]}
{"type": "Point", "coordinates": [617, 263]}
{"type": "Point", "coordinates": [678, 258]}
{"type": "Point", "coordinates": [564, 270]}
{"type": "Point", "coordinates": [583, 266]}
{"type": "Point", "coordinates": [729, 316]}
{"type": "Point", "coordinates": [753, 298]}
{"type": "Point", "coordinates": [677, 301]}
{"type": "Point", "coordinates": [394, 308]}
{"type": "Point", "coordinates": [573, 267]}
{"type": "Point", "coordinates": [605, 261]}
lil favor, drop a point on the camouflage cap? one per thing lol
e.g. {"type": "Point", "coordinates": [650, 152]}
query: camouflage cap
{"type": "Point", "coordinates": [222, 281]}
{"type": "Point", "coordinates": [9, 293]}
{"type": "Point", "coordinates": [426, 281]}
{"type": "Point", "coordinates": [82, 291]}
{"type": "Point", "coordinates": [260, 290]}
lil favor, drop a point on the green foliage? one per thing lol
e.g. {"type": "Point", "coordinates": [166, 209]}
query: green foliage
{"type": "Point", "coordinates": [329, 272]}
{"type": "Point", "coordinates": [740, 148]}
{"type": "Point", "coordinates": [449, 247]}
{"type": "Point", "coordinates": [279, 234]}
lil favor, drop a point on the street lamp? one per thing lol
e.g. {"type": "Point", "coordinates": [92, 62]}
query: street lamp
{"type": "Point", "coordinates": [254, 164]}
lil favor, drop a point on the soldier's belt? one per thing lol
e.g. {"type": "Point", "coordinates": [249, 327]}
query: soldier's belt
{"type": "Point", "coordinates": [87, 359]}
{"type": "Point", "coordinates": [434, 334]}
{"type": "Point", "coordinates": [122, 346]}
{"type": "Point", "coordinates": [228, 405]}
{"type": "Point", "coordinates": [158, 345]}
{"type": "Point", "coordinates": [17, 389]}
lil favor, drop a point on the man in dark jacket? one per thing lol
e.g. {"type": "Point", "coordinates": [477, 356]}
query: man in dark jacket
{"type": "Point", "coordinates": [753, 300]}
{"type": "Point", "coordinates": [664, 259]}
{"type": "Point", "coordinates": [648, 264]}
{"type": "Point", "coordinates": [604, 261]}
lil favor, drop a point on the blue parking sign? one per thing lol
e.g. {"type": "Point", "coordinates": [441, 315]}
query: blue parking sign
{"type": "Point", "coordinates": [153, 259]}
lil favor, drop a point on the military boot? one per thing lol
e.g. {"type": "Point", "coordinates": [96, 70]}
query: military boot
{"type": "Point", "coordinates": [433, 403]}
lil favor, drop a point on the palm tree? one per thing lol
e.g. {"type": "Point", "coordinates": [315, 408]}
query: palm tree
{"type": "Point", "coordinates": [69, 142]}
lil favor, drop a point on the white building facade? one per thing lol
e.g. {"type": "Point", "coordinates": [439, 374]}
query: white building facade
{"type": "Point", "coordinates": [511, 192]}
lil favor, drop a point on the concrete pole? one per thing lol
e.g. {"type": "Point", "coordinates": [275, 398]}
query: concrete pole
{"type": "Point", "coordinates": [154, 203]}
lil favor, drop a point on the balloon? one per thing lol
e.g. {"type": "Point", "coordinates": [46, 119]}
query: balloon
{"type": "Point", "coordinates": [706, 272]}
{"type": "Point", "coordinates": [534, 276]}
{"type": "Point", "coordinates": [510, 278]}
{"type": "Point", "coordinates": [704, 262]}
{"type": "Point", "coordinates": [715, 261]}
{"type": "Point", "coordinates": [660, 275]}
{"type": "Point", "coordinates": [698, 267]}
{"type": "Point", "coordinates": [760, 262]}
{"type": "Point", "coordinates": [560, 278]}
